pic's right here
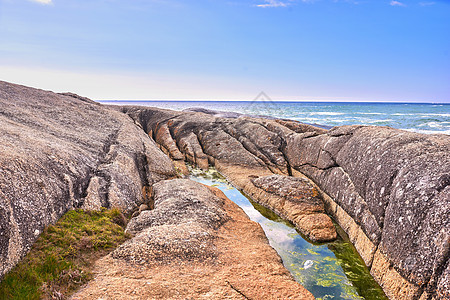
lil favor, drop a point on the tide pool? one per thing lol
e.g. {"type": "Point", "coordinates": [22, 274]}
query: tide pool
{"type": "Point", "coordinates": [328, 270]}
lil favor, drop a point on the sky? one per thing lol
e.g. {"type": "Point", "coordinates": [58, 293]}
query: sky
{"type": "Point", "coordinates": [314, 50]}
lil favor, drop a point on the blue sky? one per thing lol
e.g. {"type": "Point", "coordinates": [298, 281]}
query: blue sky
{"type": "Point", "coordinates": [230, 50]}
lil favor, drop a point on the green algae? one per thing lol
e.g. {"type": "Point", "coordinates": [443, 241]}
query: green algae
{"type": "Point", "coordinates": [328, 270]}
{"type": "Point", "coordinates": [343, 269]}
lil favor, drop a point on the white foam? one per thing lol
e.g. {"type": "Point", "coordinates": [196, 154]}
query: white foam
{"type": "Point", "coordinates": [327, 113]}
{"type": "Point", "coordinates": [339, 121]}
{"type": "Point", "coordinates": [379, 121]}
{"type": "Point", "coordinates": [435, 115]}
{"type": "Point", "coordinates": [428, 131]}
{"type": "Point", "coordinates": [432, 125]}
{"type": "Point", "coordinates": [368, 113]}
{"type": "Point", "coordinates": [309, 120]}
{"type": "Point", "coordinates": [398, 114]}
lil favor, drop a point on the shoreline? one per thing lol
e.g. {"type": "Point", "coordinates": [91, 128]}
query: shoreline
{"type": "Point", "coordinates": [421, 117]}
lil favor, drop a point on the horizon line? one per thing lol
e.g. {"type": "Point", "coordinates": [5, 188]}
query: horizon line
{"type": "Point", "coordinates": [286, 101]}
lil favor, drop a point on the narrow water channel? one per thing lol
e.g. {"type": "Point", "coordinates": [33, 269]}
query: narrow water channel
{"type": "Point", "coordinates": [328, 270]}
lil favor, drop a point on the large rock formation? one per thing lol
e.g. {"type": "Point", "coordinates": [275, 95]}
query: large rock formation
{"type": "Point", "coordinates": [388, 189]}
{"type": "Point", "coordinates": [59, 152]}
{"type": "Point", "coordinates": [241, 149]}
{"type": "Point", "coordinates": [395, 185]}
{"type": "Point", "coordinates": [195, 244]}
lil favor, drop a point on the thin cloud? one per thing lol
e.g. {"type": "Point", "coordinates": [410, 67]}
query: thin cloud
{"type": "Point", "coordinates": [45, 2]}
{"type": "Point", "coordinates": [42, 1]}
{"type": "Point", "coordinates": [426, 3]}
{"type": "Point", "coordinates": [286, 3]}
{"type": "Point", "coordinates": [273, 3]}
{"type": "Point", "coordinates": [396, 3]}
{"type": "Point", "coordinates": [348, 1]}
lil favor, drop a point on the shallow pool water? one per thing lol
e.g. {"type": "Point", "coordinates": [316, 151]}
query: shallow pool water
{"type": "Point", "coordinates": [328, 270]}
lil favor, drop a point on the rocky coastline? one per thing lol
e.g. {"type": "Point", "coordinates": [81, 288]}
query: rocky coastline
{"type": "Point", "coordinates": [388, 189]}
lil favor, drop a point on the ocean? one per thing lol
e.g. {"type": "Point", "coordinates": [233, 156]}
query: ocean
{"type": "Point", "coordinates": [419, 117]}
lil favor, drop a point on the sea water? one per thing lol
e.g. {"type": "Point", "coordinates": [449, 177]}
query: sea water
{"type": "Point", "coordinates": [418, 117]}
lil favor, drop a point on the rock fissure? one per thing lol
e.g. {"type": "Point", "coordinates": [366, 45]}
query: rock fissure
{"type": "Point", "coordinates": [252, 149]}
{"type": "Point", "coordinates": [288, 164]}
{"type": "Point", "coordinates": [141, 162]}
{"type": "Point", "coordinates": [298, 168]}
{"type": "Point", "coordinates": [107, 156]}
{"type": "Point", "coordinates": [443, 182]}
{"type": "Point", "coordinates": [335, 164]}
{"type": "Point", "coordinates": [281, 147]}
{"type": "Point", "coordinates": [442, 268]}
{"type": "Point", "coordinates": [80, 188]}
{"type": "Point", "coordinates": [237, 290]}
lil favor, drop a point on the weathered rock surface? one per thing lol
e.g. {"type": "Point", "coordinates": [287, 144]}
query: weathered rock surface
{"type": "Point", "coordinates": [387, 188]}
{"type": "Point", "coordinates": [241, 149]}
{"type": "Point", "coordinates": [195, 244]}
{"type": "Point", "coordinates": [394, 184]}
{"type": "Point", "coordinates": [59, 152]}
{"type": "Point", "coordinates": [178, 202]}
{"type": "Point", "coordinates": [297, 200]}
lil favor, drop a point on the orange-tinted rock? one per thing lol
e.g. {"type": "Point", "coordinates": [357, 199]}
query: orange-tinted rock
{"type": "Point", "coordinates": [163, 137]}
{"type": "Point", "coordinates": [300, 202]}
{"type": "Point", "coordinates": [198, 246]}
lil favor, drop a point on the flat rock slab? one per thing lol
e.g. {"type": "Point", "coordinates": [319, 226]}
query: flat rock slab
{"type": "Point", "coordinates": [195, 244]}
{"type": "Point", "coordinates": [300, 202]}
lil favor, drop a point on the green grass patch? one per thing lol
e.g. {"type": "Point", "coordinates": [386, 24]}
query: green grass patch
{"type": "Point", "coordinates": [62, 258]}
